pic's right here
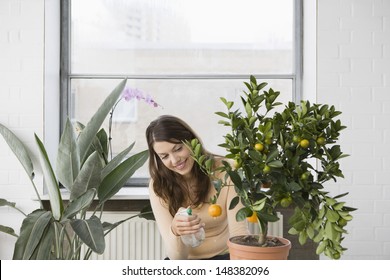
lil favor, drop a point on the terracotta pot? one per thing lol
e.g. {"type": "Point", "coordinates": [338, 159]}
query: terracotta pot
{"type": "Point", "coordinates": [245, 252]}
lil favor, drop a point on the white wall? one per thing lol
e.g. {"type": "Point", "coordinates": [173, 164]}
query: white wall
{"type": "Point", "coordinates": [353, 73]}
{"type": "Point", "coordinates": [21, 102]}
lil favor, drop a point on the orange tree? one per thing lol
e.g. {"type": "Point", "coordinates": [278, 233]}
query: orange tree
{"type": "Point", "coordinates": [284, 157]}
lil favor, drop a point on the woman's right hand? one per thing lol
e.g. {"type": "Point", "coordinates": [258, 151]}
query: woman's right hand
{"type": "Point", "coordinates": [182, 225]}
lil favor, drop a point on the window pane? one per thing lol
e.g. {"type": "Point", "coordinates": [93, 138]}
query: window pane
{"type": "Point", "coordinates": [195, 101]}
{"type": "Point", "coordinates": [181, 36]}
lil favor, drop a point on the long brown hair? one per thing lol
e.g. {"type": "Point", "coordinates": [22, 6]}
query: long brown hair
{"type": "Point", "coordinates": [167, 184]}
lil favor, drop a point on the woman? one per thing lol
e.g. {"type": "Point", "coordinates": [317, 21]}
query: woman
{"type": "Point", "coordinates": [177, 183]}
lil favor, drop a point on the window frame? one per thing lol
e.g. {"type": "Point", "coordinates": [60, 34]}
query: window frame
{"type": "Point", "coordinates": [66, 75]}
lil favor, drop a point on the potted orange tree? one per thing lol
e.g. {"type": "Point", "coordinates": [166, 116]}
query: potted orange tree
{"type": "Point", "coordinates": [282, 158]}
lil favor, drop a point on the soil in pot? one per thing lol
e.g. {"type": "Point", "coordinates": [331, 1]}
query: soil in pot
{"type": "Point", "coordinates": [253, 240]}
{"type": "Point", "coordinates": [246, 247]}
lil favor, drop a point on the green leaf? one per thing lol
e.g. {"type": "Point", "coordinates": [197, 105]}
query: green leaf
{"type": "Point", "coordinates": [293, 231]}
{"type": "Point", "coordinates": [44, 248]}
{"type": "Point", "coordinates": [236, 179]}
{"type": "Point", "coordinates": [259, 205]}
{"type": "Point", "coordinates": [320, 248]}
{"type": "Point", "coordinates": [50, 180]}
{"type": "Point", "coordinates": [116, 179]}
{"type": "Point", "coordinates": [91, 233]}
{"type": "Point", "coordinates": [265, 217]}
{"type": "Point", "coordinates": [310, 232]}
{"type": "Point", "coordinates": [293, 186]}
{"type": "Point", "coordinates": [271, 156]}
{"type": "Point", "coordinates": [330, 232]}
{"type": "Point", "coordinates": [31, 233]}
{"type": "Point", "coordinates": [248, 109]}
{"type": "Point", "coordinates": [255, 155]}
{"type": "Point", "coordinates": [8, 230]}
{"type": "Point", "coordinates": [4, 202]}
{"type": "Point", "coordinates": [332, 216]}
{"type": "Point", "coordinates": [116, 161]}
{"type": "Point", "coordinates": [275, 164]}
{"type": "Point", "coordinates": [147, 212]}
{"type": "Point", "coordinates": [89, 132]}
{"type": "Point", "coordinates": [224, 115]}
{"type": "Point", "coordinates": [302, 237]}
{"type": "Point", "coordinates": [234, 202]}
{"type": "Point", "coordinates": [242, 214]}
{"type": "Point", "coordinates": [19, 149]}
{"type": "Point", "coordinates": [89, 176]}
{"type": "Point", "coordinates": [68, 159]}
{"type": "Point", "coordinates": [81, 203]}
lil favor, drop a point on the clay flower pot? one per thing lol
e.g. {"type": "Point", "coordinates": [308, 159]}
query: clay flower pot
{"type": "Point", "coordinates": [247, 252]}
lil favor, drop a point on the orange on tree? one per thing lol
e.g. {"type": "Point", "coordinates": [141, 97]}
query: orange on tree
{"type": "Point", "coordinates": [259, 147]}
{"type": "Point", "coordinates": [215, 210]}
{"type": "Point", "coordinates": [296, 139]}
{"type": "Point", "coordinates": [321, 141]}
{"type": "Point", "coordinates": [304, 143]}
{"type": "Point", "coordinates": [305, 176]}
{"type": "Point", "coordinates": [267, 169]}
{"type": "Point", "coordinates": [253, 218]}
{"type": "Point", "coordinates": [236, 164]}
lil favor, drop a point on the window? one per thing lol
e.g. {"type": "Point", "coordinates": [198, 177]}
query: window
{"type": "Point", "coordinates": [185, 53]}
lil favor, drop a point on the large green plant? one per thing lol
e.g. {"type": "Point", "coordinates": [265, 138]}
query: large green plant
{"type": "Point", "coordinates": [83, 168]}
{"type": "Point", "coordinates": [282, 158]}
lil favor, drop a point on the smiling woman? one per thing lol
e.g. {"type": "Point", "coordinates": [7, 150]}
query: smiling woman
{"type": "Point", "coordinates": [178, 184]}
{"type": "Point", "coordinates": [175, 157]}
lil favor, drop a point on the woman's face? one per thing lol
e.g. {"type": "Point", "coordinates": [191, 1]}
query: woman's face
{"type": "Point", "coordinates": [175, 157]}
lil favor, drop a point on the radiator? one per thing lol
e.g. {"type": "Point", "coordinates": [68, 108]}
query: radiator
{"type": "Point", "coordinates": [139, 239]}
{"type": "Point", "coordinates": [135, 239]}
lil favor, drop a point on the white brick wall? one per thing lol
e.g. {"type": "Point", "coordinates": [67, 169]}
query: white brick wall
{"type": "Point", "coordinates": [21, 102]}
{"type": "Point", "coordinates": [353, 71]}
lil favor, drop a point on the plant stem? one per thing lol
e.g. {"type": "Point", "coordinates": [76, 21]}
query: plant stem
{"type": "Point", "coordinates": [110, 127]}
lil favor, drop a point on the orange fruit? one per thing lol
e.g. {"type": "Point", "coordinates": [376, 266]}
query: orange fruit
{"type": "Point", "coordinates": [215, 210]}
{"type": "Point", "coordinates": [304, 176]}
{"type": "Point", "coordinates": [266, 169]}
{"type": "Point", "coordinates": [321, 141]}
{"type": "Point", "coordinates": [304, 143]}
{"type": "Point", "coordinates": [253, 218]}
{"type": "Point", "coordinates": [296, 139]}
{"type": "Point", "coordinates": [259, 147]}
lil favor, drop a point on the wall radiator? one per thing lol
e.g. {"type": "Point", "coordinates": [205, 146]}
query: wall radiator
{"type": "Point", "coordinates": [139, 239]}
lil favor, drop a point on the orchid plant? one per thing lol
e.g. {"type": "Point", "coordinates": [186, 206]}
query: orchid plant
{"type": "Point", "coordinates": [129, 94]}
{"type": "Point", "coordinates": [84, 170]}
